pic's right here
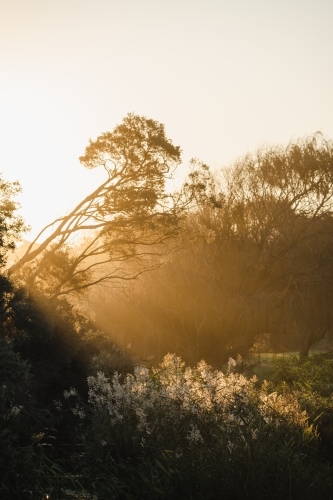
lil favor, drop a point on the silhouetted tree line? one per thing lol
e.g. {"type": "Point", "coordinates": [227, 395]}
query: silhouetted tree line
{"type": "Point", "coordinates": [255, 257]}
{"type": "Point", "coordinates": [202, 272]}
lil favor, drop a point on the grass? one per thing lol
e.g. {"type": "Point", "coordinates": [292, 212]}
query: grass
{"type": "Point", "coordinates": [184, 433]}
{"type": "Point", "coordinates": [265, 362]}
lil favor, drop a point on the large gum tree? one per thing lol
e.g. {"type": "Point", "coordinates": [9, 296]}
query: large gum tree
{"type": "Point", "coordinates": [125, 222]}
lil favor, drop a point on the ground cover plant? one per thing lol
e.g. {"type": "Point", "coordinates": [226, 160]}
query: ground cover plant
{"type": "Point", "coordinates": [311, 381]}
{"type": "Point", "coordinates": [172, 431]}
{"type": "Point", "coordinates": [181, 432]}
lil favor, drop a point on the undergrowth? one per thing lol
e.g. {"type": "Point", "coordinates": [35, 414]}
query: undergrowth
{"type": "Point", "coordinates": [178, 432]}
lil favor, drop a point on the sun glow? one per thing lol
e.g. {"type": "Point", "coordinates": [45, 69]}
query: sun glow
{"type": "Point", "coordinates": [41, 142]}
{"type": "Point", "coordinates": [223, 83]}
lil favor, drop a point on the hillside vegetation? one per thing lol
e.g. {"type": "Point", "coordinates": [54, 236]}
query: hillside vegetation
{"type": "Point", "coordinates": [127, 332]}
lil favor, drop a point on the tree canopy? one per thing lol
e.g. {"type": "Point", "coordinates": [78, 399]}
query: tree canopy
{"type": "Point", "coordinates": [127, 218]}
{"type": "Point", "coordinates": [11, 224]}
{"type": "Point", "coordinates": [256, 258]}
{"type": "Point", "coordinates": [256, 247]}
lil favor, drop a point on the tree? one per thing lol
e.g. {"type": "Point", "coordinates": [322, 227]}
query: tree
{"type": "Point", "coordinates": [127, 219]}
{"type": "Point", "coordinates": [196, 303]}
{"type": "Point", "coordinates": [280, 207]}
{"type": "Point", "coordinates": [11, 224]}
{"type": "Point", "coordinates": [256, 257]}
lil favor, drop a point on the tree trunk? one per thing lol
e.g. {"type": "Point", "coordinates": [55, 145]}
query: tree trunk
{"type": "Point", "coordinates": [309, 339]}
{"type": "Point", "coordinates": [305, 347]}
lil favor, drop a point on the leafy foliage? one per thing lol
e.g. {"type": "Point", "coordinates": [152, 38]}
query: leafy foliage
{"type": "Point", "coordinates": [311, 381]}
{"type": "Point", "coordinates": [128, 218]}
{"type": "Point", "coordinates": [11, 224]}
{"type": "Point", "coordinates": [44, 346]}
{"type": "Point", "coordinates": [281, 207]}
{"type": "Point", "coordinates": [195, 433]}
{"type": "Point", "coordinates": [255, 256]}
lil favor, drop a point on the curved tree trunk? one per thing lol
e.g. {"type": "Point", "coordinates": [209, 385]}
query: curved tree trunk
{"type": "Point", "coordinates": [309, 339]}
{"type": "Point", "coordinates": [305, 347]}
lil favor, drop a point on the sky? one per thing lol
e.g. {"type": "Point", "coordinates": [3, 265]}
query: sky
{"type": "Point", "coordinates": [225, 77]}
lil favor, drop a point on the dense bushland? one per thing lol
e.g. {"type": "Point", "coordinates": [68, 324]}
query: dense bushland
{"type": "Point", "coordinates": [39, 358]}
{"type": "Point", "coordinates": [207, 270]}
{"type": "Point", "coordinates": [254, 255]}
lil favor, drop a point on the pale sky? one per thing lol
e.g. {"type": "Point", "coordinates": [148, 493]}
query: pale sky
{"type": "Point", "coordinates": [223, 76]}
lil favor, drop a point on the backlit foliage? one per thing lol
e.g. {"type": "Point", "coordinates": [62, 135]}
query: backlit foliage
{"type": "Point", "coordinates": [193, 433]}
{"type": "Point", "coordinates": [128, 218]}
{"type": "Point", "coordinates": [11, 224]}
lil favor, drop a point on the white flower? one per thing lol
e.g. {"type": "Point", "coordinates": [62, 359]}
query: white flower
{"type": "Point", "coordinates": [231, 365]}
{"type": "Point", "coordinates": [78, 412]}
{"type": "Point", "coordinates": [57, 404]}
{"type": "Point", "coordinates": [194, 435]}
{"type": "Point", "coordinates": [15, 410]}
{"type": "Point", "coordinates": [172, 394]}
{"type": "Point", "coordinates": [71, 392]}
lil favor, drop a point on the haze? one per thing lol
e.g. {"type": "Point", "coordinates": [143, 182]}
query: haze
{"type": "Point", "coordinates": [224, 77]}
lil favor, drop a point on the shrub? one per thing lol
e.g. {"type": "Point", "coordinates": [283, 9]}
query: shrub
{"type": "Point", "coordinates": [186, 432]}
{"type": "Point", "coordinates": [311, 381]}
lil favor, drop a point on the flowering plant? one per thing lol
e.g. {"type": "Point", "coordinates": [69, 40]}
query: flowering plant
{"type": "Point", "coordinates": [185, 409]}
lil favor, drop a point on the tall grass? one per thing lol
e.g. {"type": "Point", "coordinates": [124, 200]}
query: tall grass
{"type": "Point", "coordinates": [181, 432]}
{"type": "Point", "coordinates": [169, 432]}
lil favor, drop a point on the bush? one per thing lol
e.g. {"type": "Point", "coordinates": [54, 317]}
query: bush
{"type": "Point", "coordinates": [186, 432]}
{"type": "Point", "coordinates": [311, 381]}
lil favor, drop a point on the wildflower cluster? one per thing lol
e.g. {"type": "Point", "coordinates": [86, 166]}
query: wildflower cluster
{"type": "Point", "coordinates": [190, 408]}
